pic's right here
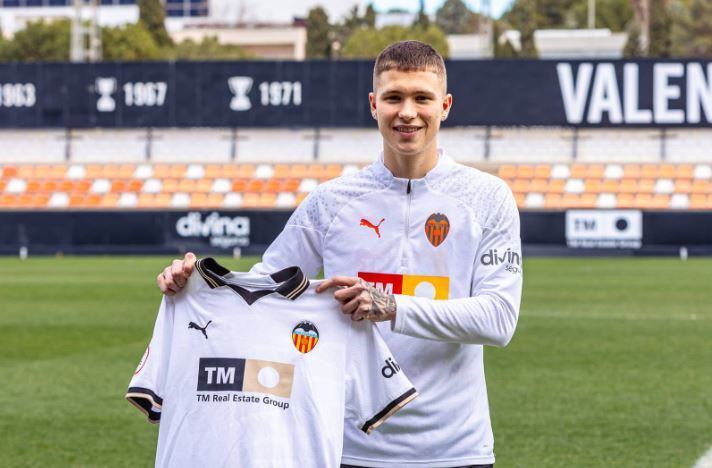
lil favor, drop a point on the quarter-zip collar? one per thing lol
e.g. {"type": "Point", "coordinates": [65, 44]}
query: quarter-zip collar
{"type": "Point", "coordinates": [441, 169]}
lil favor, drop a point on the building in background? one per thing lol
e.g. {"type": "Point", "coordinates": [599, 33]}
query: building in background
{"type": "Point", "coordinates": [572, 43]}
{"type": "Point", "coordinates": [15, 14]}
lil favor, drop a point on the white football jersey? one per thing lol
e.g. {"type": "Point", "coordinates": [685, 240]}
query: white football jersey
{"type": "Point", "coordinates": [258, 370]}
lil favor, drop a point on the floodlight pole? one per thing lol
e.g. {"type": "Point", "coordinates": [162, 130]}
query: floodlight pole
{"type": "Point", "coordinates": [85, 39]}
{"type": "Point", "coordinates": [591, 14]}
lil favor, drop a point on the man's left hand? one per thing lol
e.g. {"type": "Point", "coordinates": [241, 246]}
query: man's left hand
{"type": "Point", "coordinates": [361, 300]}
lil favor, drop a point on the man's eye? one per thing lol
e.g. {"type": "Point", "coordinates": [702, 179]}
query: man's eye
{"type": "Point", "coordinates": [392, 98]}
{"type": "Point", "coordinates": [422, 98]}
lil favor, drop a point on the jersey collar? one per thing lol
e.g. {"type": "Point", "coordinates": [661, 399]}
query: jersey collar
{"type": "Point", "coordinates": [290, 282]}
{"type": "Point", "coordinates": [441, 169]}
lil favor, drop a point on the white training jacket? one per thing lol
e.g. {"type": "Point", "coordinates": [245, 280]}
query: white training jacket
{"type": "Point", "coordinates": [451, 239]}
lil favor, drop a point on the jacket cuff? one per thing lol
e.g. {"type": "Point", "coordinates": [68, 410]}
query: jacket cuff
{"type": "Point", "coordinates": [402, 310]}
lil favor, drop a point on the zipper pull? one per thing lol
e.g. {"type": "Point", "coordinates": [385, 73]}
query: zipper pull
{"type": "Point", "coordinates": [407, 190]}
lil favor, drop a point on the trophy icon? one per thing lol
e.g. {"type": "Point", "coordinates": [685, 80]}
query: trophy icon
{"type": "Point", "coordinates": [240, 87]}
{"type": "Point", "coordinates": [105, 87]}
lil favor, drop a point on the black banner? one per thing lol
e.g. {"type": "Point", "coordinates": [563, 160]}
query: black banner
{"type": "Point", "coordinates": [642, 93]}
{"type": "Point", "coordinates": [220, 232]}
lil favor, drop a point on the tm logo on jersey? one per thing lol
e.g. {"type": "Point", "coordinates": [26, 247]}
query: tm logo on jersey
{"type": "Point", "coordinates": [432, 287]}
{"type": "Point", "coordinates": [305, 336]}
{"type": "Point", "coordinates": [245, 375]}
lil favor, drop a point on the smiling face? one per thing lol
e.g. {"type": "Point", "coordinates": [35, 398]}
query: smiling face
{"type": "Point", "coordinates": [409, 106]}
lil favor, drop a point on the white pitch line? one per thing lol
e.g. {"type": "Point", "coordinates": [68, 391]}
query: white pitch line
{"type": "Point", "coordinates": [575, 315]}
{"type": "Point", "coordinates": [705, 461]}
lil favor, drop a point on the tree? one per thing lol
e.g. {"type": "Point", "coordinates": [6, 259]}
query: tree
{"type": "Point", "coordinates": [633, 46]}
{"type": "Point", "coordinates": [660, 41]}
{"type": "Point", "coordinates": [615, 15]}
{"type": "Point", "coordinates": [527, 29]}
{"type": "Point", "coordinates": [502, 47]}
{"type": "Point", "coordinates": [318, 34]}
{"type": "Point", "coordinates": [422, 21]}
{"type": "Point", "coordinates": [129, 42]}
{"type": "Point", "coordinates": [369, 17]}
{"type": "Point", "coordinates": [40, 41]}
{"type": "Point", "coordinates": [367, 43]}
{"type": "Point", "coordinates": [209, 49]}
{"type": "Point", "coordinates": [692, 30]}
{"type": "Point", "coordinates": [453, 17]}
{"type": "Point", "coordinates": [153, 17]}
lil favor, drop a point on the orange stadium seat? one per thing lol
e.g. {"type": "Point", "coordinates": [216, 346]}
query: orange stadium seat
{"type": "Point", "coordinates": [684, 171]}
{"type": "Point", "coordinates": [557, 186]}
{"type": "Point", "coordinates": [553, 201]}
{"type": "Point", "coordinates": [683, 186]}
{"type": "Point", "coordinates": [8, 200]}
{"type": "Point", "coordinates": [507, 171]}
{"type": "Point", "coordinates": [333, 171]}
{"type": "Point", "coordinates": [542, 171]}
{"type": "Point", "coordinates": [245, 171]}
{"type": "Point", "coordinates": [8, 172]}
{"type": "Point", "coordinates": [631, 171]}
{"type": "Point", "coordinates": [255, 185]}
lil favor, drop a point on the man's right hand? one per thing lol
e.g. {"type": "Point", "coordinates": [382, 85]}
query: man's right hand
{"type": "Point", "coordinates": [174, 277]}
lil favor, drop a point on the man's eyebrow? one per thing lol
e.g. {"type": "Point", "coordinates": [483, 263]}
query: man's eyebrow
{"type": "Point", "coordinates": [399, 91]}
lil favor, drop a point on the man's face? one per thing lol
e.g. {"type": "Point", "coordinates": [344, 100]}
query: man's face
{"type": "Point", "coordinates": [409, 107]}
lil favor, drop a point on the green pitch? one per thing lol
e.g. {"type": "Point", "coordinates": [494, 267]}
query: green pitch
{"type": "Point", "coordinates": [611, 364]}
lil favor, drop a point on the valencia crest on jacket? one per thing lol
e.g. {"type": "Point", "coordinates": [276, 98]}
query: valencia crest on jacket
{"type": "Point", "coordinates": [437, 227]}
{"type": "Point", "coordinates": [305, 336]}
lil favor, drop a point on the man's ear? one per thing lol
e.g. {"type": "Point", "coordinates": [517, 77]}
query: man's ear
{"type": "Point", "coordinates": [372, 104]}
{"type": "Point", "coordinates": [447, 105]}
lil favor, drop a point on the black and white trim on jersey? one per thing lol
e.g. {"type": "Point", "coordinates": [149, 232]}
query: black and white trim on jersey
{"type": "Point", "coordinates": [291, 281]}
{"type": "Point", "coordinates": [389, 410]}
{"type": "Point", "coordinates": [147, 402]}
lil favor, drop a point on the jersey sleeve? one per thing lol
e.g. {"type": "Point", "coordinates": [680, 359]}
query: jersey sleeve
{"type": "Point", "coordinates": [376, 386]}
{"type": "Point", "coordinates": [300, 242]}
{"type": "Point", "coordinates": [147, 385]}
{"type": "Point", "coordinates": [490, 315]}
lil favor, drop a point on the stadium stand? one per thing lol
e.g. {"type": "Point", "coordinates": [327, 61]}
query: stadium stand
{"type": "Point", "coordinates": [547, 168]}
{"type": "Point", "coordinates": [282, 185]}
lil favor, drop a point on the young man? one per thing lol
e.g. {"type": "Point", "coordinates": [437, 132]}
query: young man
{"type": "Point", "coordinates": [428, 248]}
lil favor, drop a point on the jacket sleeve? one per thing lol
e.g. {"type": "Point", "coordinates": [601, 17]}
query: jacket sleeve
{"type": "Point", "coordinates": [490, 315]}
{"type": "Point", "coordinates": [300, 243]}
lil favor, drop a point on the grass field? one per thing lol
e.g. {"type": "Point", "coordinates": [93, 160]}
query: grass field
{"type": "Point", "coordinates": [611, 365]}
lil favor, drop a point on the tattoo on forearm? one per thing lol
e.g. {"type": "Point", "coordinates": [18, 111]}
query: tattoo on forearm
{"type": "Point", "coordinates": [383, 306]}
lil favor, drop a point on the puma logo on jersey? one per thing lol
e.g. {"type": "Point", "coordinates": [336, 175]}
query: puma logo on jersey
{"type": "Point", "coordinates": [370, 225]}
{"type": "Point", "coordinates": [202, 329]}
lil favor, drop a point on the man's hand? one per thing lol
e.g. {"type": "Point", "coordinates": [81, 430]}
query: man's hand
{"type": "Point", "coordinates": [360, 299]}
{"type": "Point", "coordinates": [174, 277]}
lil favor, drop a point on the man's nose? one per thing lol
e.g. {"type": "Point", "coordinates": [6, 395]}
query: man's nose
{"type": "Point", "coordinates": [407, 110]}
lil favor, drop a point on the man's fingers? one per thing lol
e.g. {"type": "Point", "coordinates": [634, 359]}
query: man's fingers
{"type": "Point", "coordinates": [336, 281]}
{"type": "Point", "coordinates": [362, 312]}
{"type": "Point", "coordinates": [188, 263]}
{"type": "Point", "coordinates": [344, 295]}
{"type": "Point", "coordinates": [166, 283]}
{"type": "Point", "coordinates": [351, 306]}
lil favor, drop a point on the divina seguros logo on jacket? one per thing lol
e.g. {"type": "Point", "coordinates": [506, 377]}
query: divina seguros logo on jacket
{"type": "Point", "coordinates": [511, 258]}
